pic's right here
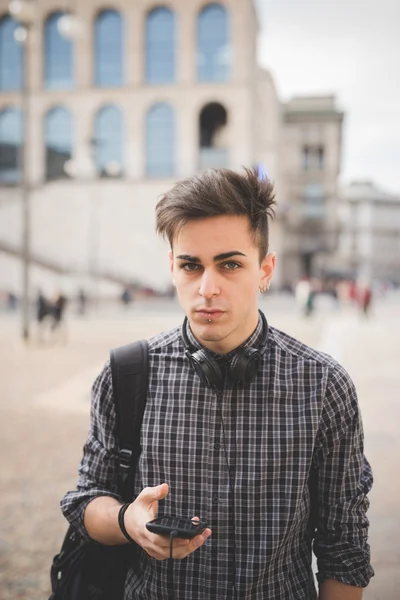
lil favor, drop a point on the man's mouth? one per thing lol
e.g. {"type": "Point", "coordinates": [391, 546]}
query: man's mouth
{"type": "Point", "coordinates": [210, 314]}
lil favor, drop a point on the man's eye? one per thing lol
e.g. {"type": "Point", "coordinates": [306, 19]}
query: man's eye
{"type": "Point", "coordinates": [190, 267]}
{"type": "Point", "coordinates": [231, 265]}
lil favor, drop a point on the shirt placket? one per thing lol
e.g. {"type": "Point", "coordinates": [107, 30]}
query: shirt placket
{"type": "Point", "coordinates": [220, 500]}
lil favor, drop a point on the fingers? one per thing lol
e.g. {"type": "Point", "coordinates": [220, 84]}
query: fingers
{"type": "Point", "coordinates": [199, 540]}
{"type": "Point", "coordinates": [143, 509]}
{"type": "Point", "coordinates": [153, 494]}
{"type": "Point", "coordinates": [159, 546]}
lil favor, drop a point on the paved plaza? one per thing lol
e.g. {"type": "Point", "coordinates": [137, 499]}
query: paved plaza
{"type": "Point", "coordinates": [44, 403]}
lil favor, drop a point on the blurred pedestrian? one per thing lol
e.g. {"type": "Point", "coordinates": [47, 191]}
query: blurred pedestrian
{"type": "Point", "coordinates": [11, 301]}
{"type": "Point", "coordinates": [126, 297]}
{"type": "Point", "coordinates": [58, 317]}
{"type": "Point", "coordinates": [302, 295]}
{"type": "Point", "coordinates": [365, 299]}
{"type": "Point", "coordinates": [43, 311]}
{"type": "Point", "coordinates": [353, 292]}
{"type": "Point", "coordinates": [310, 304]}
{"type": "Point", "coordinates": [82, 302]}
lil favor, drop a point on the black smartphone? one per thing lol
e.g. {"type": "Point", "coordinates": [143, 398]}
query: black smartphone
{"type": "Point", "coordinates": [185, 528]}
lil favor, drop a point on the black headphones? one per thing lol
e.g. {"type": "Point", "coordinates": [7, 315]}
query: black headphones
{"type": "Point", "coordinates": [242, 369]}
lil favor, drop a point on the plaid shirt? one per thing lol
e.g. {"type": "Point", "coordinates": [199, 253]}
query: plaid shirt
{"type": "Point", "coordinates": [240, 458]}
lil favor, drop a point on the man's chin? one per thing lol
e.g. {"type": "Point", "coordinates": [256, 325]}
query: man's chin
{"type": "Point", "coordinates": [211, 337]}
{"type": "Point", "coordinates": [208, 332]}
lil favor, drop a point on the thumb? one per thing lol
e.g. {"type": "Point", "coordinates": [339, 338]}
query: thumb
{"type": "Point", "coordinates": [153, 494]}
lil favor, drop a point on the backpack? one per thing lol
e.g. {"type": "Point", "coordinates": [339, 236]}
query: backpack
{"type": "Point", "coordinates": [88, 570]}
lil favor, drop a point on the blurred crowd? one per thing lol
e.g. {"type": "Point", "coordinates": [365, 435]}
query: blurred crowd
{"type": "Point", "coordinates": [343, 292]}
{"type": "Point", "coordinates": [310, 294]}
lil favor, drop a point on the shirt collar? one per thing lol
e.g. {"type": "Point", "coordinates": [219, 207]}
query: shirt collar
{"type": "Point", "coordinates": [253, 341]}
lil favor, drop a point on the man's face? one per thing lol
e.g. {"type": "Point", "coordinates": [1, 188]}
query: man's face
{"type": "Point", "coordinates": [216, 269]}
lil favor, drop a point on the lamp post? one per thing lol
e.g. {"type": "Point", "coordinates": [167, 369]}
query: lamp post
{"type": "Point", "coordinates": [23, 11]}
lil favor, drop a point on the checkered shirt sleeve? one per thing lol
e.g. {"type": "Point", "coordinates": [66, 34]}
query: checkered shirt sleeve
{"type": "Point", "coordinates": [344, 479]}
{"type": "Point", "coordinates": [99, 466]}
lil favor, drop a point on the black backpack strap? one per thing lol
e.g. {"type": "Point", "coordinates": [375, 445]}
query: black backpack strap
{"type": "Point", "coordinates": [129, 371]}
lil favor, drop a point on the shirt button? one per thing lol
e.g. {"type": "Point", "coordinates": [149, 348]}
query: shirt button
{"type": "Point", "coordinates": [217, 445]}
{"type": "Point", "coordinates": [215, 499]}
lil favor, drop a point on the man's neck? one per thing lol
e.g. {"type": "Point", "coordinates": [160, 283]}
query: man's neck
{"type": "Point", "coordinates": [233, 340]}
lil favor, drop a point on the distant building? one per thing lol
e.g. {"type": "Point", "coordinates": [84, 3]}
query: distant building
{"type": "Point", "coordinates": [310, 155]}
{"type": "Point", "coordinates": [369, 243]}
{"type": "Point", "coordinates": [144, 95]}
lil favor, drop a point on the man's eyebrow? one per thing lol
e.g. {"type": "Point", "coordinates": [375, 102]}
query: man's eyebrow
{"type": "Point", "coordinates": [223, 256]}
{"type": "Point", "coordinates": [226, 255]}
{"type": "Point", "coordinates": [188, 258]}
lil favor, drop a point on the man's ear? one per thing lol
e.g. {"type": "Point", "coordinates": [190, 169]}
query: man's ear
{"type": "Point", "coordinates": [267, 268]}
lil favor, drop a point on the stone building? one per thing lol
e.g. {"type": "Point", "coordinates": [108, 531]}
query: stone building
{"type": "Point", "coordinates": [126, 97]}
{"type": "Point", "coordinates": [310, 154]}
{"type": "Point", "coordinates": [369, 242]}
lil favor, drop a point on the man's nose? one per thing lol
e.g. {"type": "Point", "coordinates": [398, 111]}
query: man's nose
{"type": "Point", "coordinates": [209, 286]}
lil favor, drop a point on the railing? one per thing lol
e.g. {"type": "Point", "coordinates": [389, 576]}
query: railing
{"type": "Point", "coordinates": [56, 267]}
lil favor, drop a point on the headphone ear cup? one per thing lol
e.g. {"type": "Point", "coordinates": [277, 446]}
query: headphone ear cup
{"type": "Point", "coordinates": [244, 366]}
{"type": "Point", "coordinates": [206, 368]}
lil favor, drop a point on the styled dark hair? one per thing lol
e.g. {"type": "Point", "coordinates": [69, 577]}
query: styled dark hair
{"type": "Point", "coordinates": [218, 192]}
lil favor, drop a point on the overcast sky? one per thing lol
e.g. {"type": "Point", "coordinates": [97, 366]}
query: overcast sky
{"type": "Point", "coordinates": [350, 48]}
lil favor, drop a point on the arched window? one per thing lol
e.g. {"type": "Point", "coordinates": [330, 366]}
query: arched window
{"type": "Point", "coordinates": [160, 141]}
{"type": "Point", "coordinates": [109, 49]}
{"type": "Point", "coordinates": [11, 68]}
{"type": "Point", "coordinates": [160, 46]}
{"type": "Point", "coordinates": [11, 136]}
{"type": "Point", "coordinates": [213, 44]}
{"type": "Point", "coordinates": [58, 60]}
{"type": "Point", "coordinates": [213, 134]}
{"type": "Point", "coordinates": [109, 141]}
{"type": "Point", "coordinates": [58, 135]}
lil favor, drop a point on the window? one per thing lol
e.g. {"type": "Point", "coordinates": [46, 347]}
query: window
{"type": "Point", "coordinates": [313, 157]}
{"type": "Point", "coordinates": [108, 141]}
{"type": "Point", "coordinates": [11, 137]}
{"type": "Point", "coordinates": [160, 46]}
{"type": "Point", "coordinates": [213, 135]}
{"type": "Point", "coordinates": [58, 67]}
{"type": "Point", "coordinates": [11, 68]}
{"type": "Point", "coordinates": [160, 141]}
{"type": "Point", "coordinates": [213, 44]}
{"type": "Point", "coordinates": [314, 205]}
{"type": "Point", "coordinates": [109, 49]}
{"type": "Point", "coordinates": [58, 135]}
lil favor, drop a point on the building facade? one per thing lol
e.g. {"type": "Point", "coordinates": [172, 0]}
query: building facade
{"type": "Point", "coordinates": [369, 243]}
{"type": "Point", "coordinates": [125, 98]}
{"type": "Point", "coordinates": [310, 156]}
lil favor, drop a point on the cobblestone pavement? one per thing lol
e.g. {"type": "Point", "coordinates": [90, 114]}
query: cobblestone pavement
{"type": "Point", "coordinates": [44, 402]}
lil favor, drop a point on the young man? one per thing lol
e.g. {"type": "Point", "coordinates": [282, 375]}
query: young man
{"type": "Point", "coordinates": [242, 422]}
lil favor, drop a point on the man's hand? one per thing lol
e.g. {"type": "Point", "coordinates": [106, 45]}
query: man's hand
{"type": "Point", "coordinates": [143, 510]}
